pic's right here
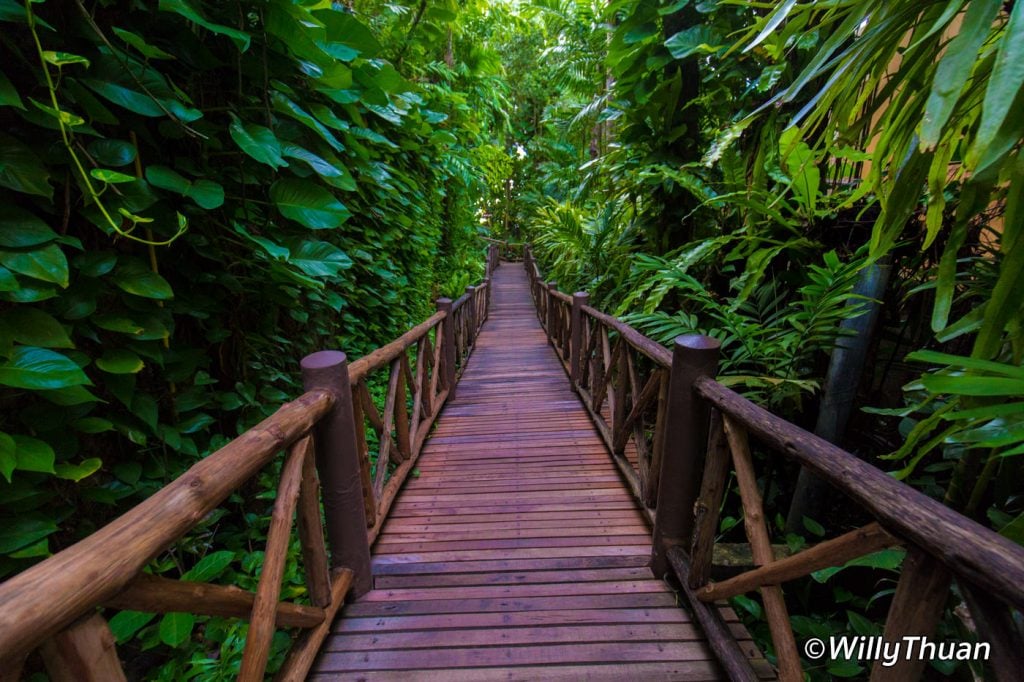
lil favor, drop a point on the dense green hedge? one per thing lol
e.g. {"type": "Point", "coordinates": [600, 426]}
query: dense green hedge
{"type": "Point", "coordinates": [194, 195]}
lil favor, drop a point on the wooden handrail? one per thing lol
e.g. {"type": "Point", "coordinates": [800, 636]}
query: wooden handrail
{"type": "Point", "coordinates": [966, 547]}
{"type": "Point", "coordinates": [564, 298]}
{"type": "Point", "coordinates": [95, 569]}
{"type": "Point", "coordinates": [460, 301]}
{"type": "Point", "coordinates": [51, 598]}
{"type": "Point", "coordinates": [649, 347]}
{"type": "Point", "coordinates": [702, 425]}
{"type": "Point", "coordinates": [371, 362]}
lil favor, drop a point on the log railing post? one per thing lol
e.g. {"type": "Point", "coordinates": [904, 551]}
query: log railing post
{"type": "Point", "coordinates": [471, 320]}
{"type": "Point", "coordinates": [916, 609]}
{"type": "Point", "coordinates": [579, 299]}
{"type": "Point", "coordinates": [83, 652]}
{"type": "Point", "coordinates": [551, 309]}
{"type": "Point", "coordinates": [337, 456]}
{"type": "Point", "coordinates": [685, 442]}
{"type": "Point", "coordinates": [487, 303]}
{"type": "Point", "coordinates": [447, 342]}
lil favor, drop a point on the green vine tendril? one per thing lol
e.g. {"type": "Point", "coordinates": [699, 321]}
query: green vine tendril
{"type": "Point", "coordinates": [86, 178]}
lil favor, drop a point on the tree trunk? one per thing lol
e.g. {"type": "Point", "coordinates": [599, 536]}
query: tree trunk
{"type": "Point", "coordinates": [841, 382]}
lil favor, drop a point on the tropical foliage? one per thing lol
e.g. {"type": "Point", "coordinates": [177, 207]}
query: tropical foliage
{"type": "Point", "coordinates": [194, 195]}
{"type": "Point", "coordinates": [744, 168]}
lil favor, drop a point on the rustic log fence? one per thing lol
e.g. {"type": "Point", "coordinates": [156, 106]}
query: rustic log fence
{"type": "Point", "coordinates": [55, 604]}
{"type": "Point", "coordinates": [679, 437]}
{"type": "Point", "coordinates": [510, 252]}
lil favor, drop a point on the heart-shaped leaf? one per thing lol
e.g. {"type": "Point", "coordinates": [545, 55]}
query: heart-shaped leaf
{"type": "Point", "coordinates": [33, 454]}
{"type": "Point", "coordinates": [206, 193]}
{"type": "Point", "coordinates": [135, 278]}
{"type": "Point", "coordinates": [23, 530]}
{"type": "Point", "coordinates": [8, 456]}
{"type": "Point", "coordinates": [119, 361]}
{"type": "Point", "coordinates": [176, 628]}
{"type": "Point", "coordinates": [318, 259]}
{"type": "Point", "coordinates": [40, 369]}
{"type": "Point", "coordinates": [112, 152]}
{"type": "Point", "coordinates": [76, 472]}
{"type": "Point", "coordinates": [308, 203]}
{"type": "Point", "coordinates": [21, 169]}
{"type": "Point", "coordinates": [47, 264]}
{"type": "Point", "coordinates": [33, 327]}
{"type": "Point", "coordinates": [258, 142]}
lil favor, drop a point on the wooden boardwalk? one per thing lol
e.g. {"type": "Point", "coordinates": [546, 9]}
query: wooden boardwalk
{"type": "Point", "coordinates": [517, 552]}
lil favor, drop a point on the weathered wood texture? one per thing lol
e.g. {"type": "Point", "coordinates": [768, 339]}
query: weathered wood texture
{"type": "Point", "coordinates": [95, 569]}
{"type": "Point", "coordinates": [517, 551]}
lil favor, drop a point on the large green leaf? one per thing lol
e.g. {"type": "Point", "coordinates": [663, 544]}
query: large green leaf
{"type": "Point", "coordinates": [33, 454]}
{"type": "Point", "coordinates": [209, 567]}
{"type": "Point", "coordinates": [20, 229]}
{"type": "Point", "coordinates": [47, 264]}
{"type": "Point", "coordinates": [1006, 81]}
{"type": "Point", "coordinates": [40, 369]}
{"type": "Point", "coordinates": [206, 193]}
{"type": "Point", "coordinates": [699, 39]}
{"type": "Point", "coordinates": [21, 169]}
{"type": "Point", "coordinates": [33, 327]}
{"type": "Point", "coordinates": [124, 624]}
{"type": "Point", "coordinates": [345, 34]}
{"type": "Point", "coordinates": [95, 263]}
{"type": "Point", "coordinates": [953, 71]}
{"type": "Point", "coordinates": [322, 166]}
{"type": "Point", "coordinates": [23, 530]}
{"type": "Point", "coordinates": [258, 142]}
{"type": "Point", "coordinates": [112, 152]}
{"type": "Point", "coordinates": [974, 385]}
{"type": "Point", "coordinates": [140, 44]}
{"type": "Point", "coordinates": [176, 628]}
{"type": "Point", "coordinates": [121, 95]}
{"type": "Point", "coordinates": [318, 259]}
{"type": "Point", "coordinates": [8, 282]}
{"type": "Point", "coordinates": [8, 94]}
{"type": "Point", "coordinates": [8, 456]}
{"type": "Point", "coordinates": [119, 361]}
{"type": "Point", "coordinates": [308, 203]}
{"type": "Point", "coordinates": [290, 108]}
{"type": "Point", "coordinates": [76, 472]}
{"type": "Point", "coordinates": [135, 278]}
{"type": "Point", "coordinates": [185, 9]}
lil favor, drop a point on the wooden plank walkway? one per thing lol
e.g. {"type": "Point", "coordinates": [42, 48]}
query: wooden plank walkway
{"type": "Point", "coordinates": [517, 553]}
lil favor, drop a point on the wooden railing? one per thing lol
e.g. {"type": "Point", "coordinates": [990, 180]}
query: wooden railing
{"type": "Point", "coordinates": [697, 432]}
{"type": "Point", "coordinates": [621, 376]}
{"type": "Point", "coordinates": [512, 252]}
{"type": "Point", "coordinates": [54, 605]}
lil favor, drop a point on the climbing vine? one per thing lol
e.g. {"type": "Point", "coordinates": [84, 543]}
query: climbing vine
{"type": "Point", "coordinates": [193, 195]}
